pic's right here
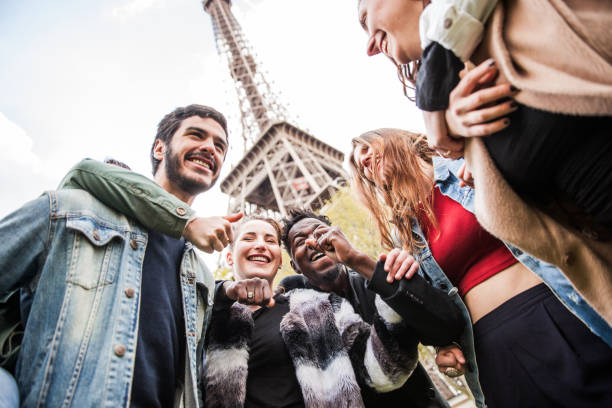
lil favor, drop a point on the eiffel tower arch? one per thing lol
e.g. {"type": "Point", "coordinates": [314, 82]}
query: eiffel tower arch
{"type": "Point", "coordinates": [285, 168]}
{"type": "Point", "coordinates": [282, 166]}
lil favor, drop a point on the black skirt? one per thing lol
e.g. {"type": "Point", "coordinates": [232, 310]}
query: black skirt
{"type": "Point", "coordinates": [533, 352]}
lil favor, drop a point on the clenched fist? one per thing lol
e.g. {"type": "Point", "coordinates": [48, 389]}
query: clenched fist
{"type": "Point", "coordinates": [254, 291]}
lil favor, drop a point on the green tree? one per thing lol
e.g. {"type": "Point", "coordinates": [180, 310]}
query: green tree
{"type": "Point", "coordinates": [355, 222]}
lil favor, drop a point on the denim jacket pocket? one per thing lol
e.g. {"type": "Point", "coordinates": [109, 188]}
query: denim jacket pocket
{"type": "Point", "coordinates": [96, 253]}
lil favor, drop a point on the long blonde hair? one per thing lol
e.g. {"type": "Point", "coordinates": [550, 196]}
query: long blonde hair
{"type": "Point", "coordinates": [405, 189]}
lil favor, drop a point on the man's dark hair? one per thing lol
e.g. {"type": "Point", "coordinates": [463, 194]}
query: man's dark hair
{"type": "Point", "coordinates": [296, 215]}
{"type": "Point", "coordinates": [172, 121]}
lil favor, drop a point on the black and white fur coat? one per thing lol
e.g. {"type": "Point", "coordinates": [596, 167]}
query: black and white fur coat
{"type": "Point", "coordinates": [333, 350]}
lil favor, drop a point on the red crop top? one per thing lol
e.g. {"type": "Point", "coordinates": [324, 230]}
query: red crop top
{"type": "Point", "coordinates": [467, 253]}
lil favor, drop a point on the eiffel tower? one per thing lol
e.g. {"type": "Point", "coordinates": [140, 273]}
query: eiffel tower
{"type": "Point", "coordinates": [282, 166]}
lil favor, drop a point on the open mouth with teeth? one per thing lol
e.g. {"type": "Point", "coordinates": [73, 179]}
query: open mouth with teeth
{"type": "Point", "coordinates": [259, 258]}
{"type": "Point", "coordinates": [315, 256]}
{"type": "Point", "coordinates": [202, 161]}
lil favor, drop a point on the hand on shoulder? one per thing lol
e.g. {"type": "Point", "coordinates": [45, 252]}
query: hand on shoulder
{"type": "Point", "coordinates": [211, 233]}
{"type": "Point", "coordinates": [399, 264]}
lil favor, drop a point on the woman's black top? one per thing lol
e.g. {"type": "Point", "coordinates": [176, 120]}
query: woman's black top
{"type": "Point", "coordinates": [271, 381]}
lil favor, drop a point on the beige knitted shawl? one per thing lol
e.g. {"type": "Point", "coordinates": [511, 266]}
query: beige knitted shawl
{"type": "Point", "coordinates": [557, 52]}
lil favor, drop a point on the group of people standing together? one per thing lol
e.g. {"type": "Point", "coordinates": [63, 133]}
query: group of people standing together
{"type": "Point", "coordinates": [497, 224]}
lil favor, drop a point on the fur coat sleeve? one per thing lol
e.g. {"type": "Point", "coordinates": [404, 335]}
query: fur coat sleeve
{"type": "Point", "coordinates": [335, 352]}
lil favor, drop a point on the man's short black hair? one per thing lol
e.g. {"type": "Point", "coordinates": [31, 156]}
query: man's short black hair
{"type": "Point", "coordinates": [296, 215]}
{"type": "Point", "coordinates": [172, 121]}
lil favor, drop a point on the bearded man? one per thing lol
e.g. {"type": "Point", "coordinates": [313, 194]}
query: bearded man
{"type": "Point", "coordinates": [115, 314]}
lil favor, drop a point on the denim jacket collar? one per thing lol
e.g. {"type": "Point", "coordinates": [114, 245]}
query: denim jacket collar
{"type": "Point", "coordinates": [444, 169]}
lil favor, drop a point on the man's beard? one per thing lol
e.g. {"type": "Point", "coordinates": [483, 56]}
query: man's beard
{"type": "Point", "coordinates": [331, 275]}
{"type": "Point", "coordinates": [188, 185]}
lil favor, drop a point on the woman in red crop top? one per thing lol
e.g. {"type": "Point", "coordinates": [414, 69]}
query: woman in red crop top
{"type": "Point", "coordinates": [393, 176]}
{"type": "Point", "coordinates": [478, 264]}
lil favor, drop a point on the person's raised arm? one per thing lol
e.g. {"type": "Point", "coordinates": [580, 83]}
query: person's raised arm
{"type": "Point", "coordinates": [131, 194]}
{"type": "Point", "coordinates": [138, 197]}
{"type": "Point", "coordinates": [334, 244]}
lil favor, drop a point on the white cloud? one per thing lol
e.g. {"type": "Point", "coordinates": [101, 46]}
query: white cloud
{"type": "Point", "coordinates": [21, 170]}
{"type": "Point", "coordinates": [16, 145]}
{"type": "Point", "coordinates": [131, 8]}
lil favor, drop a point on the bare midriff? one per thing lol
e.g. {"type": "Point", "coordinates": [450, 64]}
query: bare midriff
{"type": "Point", "coordinates": [499, 288]}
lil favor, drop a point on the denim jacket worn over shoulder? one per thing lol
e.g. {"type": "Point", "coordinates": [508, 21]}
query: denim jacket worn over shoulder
{"type": "Point", "coordinates": [80, 263]}
{"type": "Point", "coordinates": [445, 171]}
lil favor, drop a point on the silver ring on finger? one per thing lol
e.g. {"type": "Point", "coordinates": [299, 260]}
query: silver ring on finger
{"type": "Point", "coordinates": [250, 295]}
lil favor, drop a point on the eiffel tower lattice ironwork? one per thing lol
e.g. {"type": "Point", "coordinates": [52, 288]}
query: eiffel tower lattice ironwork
{"type": "Point", "coordinates": [282, 166]}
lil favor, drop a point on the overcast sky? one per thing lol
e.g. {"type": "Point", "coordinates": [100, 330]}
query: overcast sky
{"type": "Point", "coordinates": [93, 78]}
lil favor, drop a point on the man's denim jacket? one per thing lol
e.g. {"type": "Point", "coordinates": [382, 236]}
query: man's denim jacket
{"type": "Point", "coordinates": [445, 171]}
{"type": "Point", "coordinates": [79, 263]}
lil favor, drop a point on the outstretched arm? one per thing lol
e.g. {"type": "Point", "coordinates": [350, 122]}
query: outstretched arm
{"type": "Point", "coordinates": [138, 197]}
{"type": "Point", "coordinates": [131, 194]}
